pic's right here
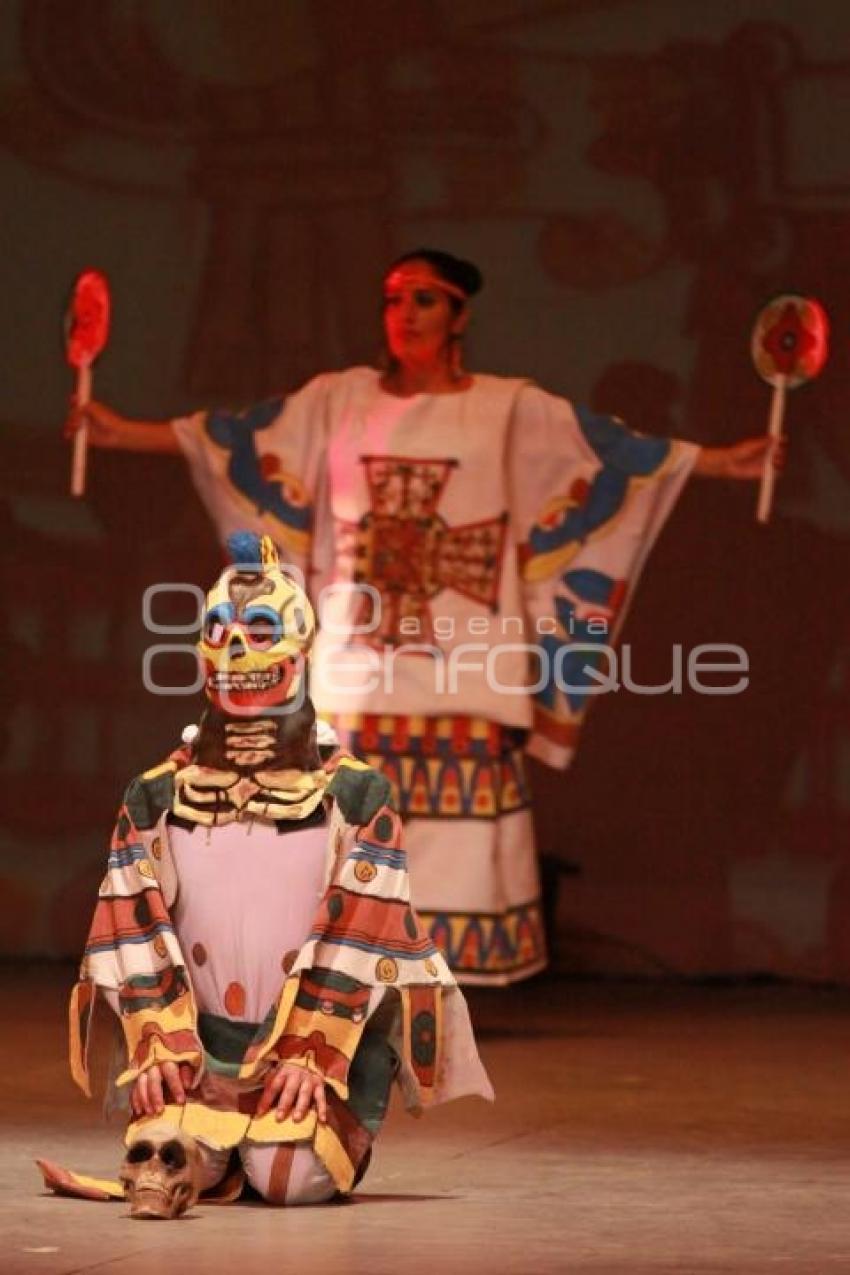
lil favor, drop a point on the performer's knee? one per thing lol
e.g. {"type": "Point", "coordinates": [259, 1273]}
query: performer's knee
{"type": "Point", "coordinates": [288, 1173]}
{"type": "Point", "coordinates": [309, 1180]}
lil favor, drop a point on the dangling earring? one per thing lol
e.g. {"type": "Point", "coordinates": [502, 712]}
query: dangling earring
{"type": "Point", "coordinates": [456, 356]}
{"type": "Point", "coordinates": [386, 362]}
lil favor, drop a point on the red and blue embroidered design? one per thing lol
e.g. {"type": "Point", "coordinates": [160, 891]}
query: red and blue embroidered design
{"type": "Point", "coordinates": [406, 550]}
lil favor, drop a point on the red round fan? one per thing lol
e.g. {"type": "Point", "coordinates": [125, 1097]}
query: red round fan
{"type": "Point", "coordinates": [86, 332]}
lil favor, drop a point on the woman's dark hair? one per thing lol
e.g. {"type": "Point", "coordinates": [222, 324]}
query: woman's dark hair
{"type": "Point", "coordinates": [463, 274]}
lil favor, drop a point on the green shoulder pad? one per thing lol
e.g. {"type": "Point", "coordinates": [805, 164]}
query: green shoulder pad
{"type": "Point", "coordinates": [359, 793]}
{"type": "Point", "coordinates": [149, 795]}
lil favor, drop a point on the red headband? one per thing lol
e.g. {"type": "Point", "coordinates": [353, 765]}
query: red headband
{"type": "Point", "coordinates": [401, 278]}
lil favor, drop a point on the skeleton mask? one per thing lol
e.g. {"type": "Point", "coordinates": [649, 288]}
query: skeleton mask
{"type": "Point", "coordinates": [161, 1172]}
{"type": "Point", "coordinates": [257, 630]}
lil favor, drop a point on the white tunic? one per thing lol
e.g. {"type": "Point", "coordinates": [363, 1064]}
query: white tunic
{"type": "Point", "coordinates": [433, 501]}
{"type": "Point", "coordinates": [247, 896]}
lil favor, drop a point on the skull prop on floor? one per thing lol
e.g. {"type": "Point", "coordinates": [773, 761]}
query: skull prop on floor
{"type": "Point", "coordinates": [161, 1172]}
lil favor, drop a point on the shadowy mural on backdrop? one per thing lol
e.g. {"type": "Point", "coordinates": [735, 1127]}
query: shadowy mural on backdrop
{"type": "Point", "coordinates": [726, 848]}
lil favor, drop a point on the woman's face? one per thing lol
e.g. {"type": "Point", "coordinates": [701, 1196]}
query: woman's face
{"type": "Point", "coordinates": [419, 319]}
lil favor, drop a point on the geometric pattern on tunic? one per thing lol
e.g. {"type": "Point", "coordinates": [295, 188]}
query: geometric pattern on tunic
{"type": "Point", "coordinates": [475, 943]}
{"type": "Point", "coordinates": [408, 553]}
{"type": "Point", "coordinates": [442, 767]}
{"type": "Point", "coordinates": [458, 751]}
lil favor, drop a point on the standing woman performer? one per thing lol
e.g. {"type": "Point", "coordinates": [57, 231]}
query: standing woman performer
{"type": "Point", "coordinates": [474, 536]}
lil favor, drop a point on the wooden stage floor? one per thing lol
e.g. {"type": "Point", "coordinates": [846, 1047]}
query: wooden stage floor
{"type": "Point", "coordinates": [637, 1129]}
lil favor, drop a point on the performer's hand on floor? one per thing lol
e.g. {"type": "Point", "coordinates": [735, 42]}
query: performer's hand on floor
{"type": "Point", "coordinates": [158, 1085]}
{"type": "Point", "coordinates": [293, 1090]}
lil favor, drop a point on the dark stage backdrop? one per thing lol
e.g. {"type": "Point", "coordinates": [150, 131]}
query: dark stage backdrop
{"type": "Point", "coordinates": [636, 179]}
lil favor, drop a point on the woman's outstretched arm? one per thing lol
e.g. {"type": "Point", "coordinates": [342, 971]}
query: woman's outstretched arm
{"type": "Point", "coordinates": [108, 428]}
{"type": "Point", "coordinates": [744, 460]}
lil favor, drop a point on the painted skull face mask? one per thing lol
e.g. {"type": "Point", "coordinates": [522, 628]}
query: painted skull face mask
{"type": "Point", "coordinates": [258, 627]}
